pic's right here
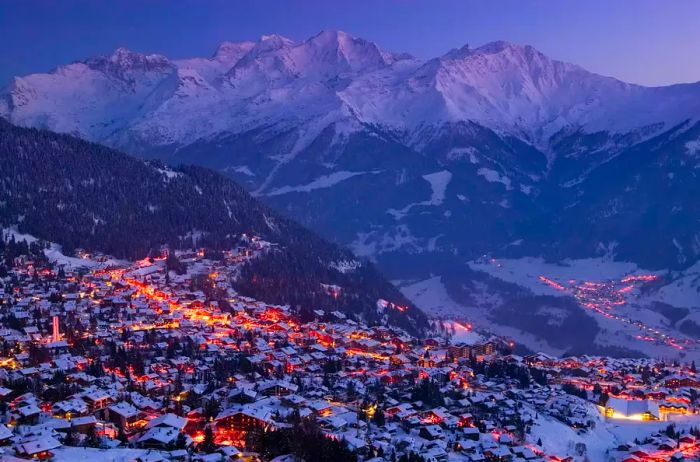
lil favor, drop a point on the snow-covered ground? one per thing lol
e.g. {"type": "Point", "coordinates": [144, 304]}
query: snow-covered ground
{"type": "Point", "coordinates": [683, 291]}
{"type": "Point", "coordinates": [431, 296]}
{"type": "Point", "coordinates": [493, 176]}
{"type": "Point", "coordinates": [680, 288]}
{"type": "Point", "coordinates": [325, 181]}
{"type": "Point", "coordinates": [12, 232]}
{"type": "Point", "coordinates": [526, 271]}
{"type": "Point", "coordinates": [55, 253]}
{"type": "Point", "coordinates": [560, 439]}
{"type": "Point", "coordinates": [438, 184]}
{"type": "Point", "coordinates": [76, 454]}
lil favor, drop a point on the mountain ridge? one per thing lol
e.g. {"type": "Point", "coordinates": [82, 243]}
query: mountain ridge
{"type": "Point", "coordinates": [500, 85]}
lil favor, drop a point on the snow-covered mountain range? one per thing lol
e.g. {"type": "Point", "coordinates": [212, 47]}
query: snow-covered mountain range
{"type": "Point", "coordinates": [420, 165]}
{"type": "Point", "coordinates": [332, 78]}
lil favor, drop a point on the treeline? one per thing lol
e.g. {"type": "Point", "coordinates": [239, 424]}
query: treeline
{"type": "Point", "coordinates": [504, 369]}
{"type": "Point", "coordinates": [303, 439]}
{"type": "Point", "coordinates": [11, 248]}
{"type": "Point", "coordinates": [294, 275]}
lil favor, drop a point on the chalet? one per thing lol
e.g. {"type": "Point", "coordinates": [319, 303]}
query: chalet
{"type": "Point", "coordinates": [460, 350]}
{"type": "Point", "coordinates": [123, 414]}
{"type": "Point", "coordinates": [27, 413]}
{"type": "Point", "coordinates": [673, 407]}
{"type": "Point", "coordinates": [484, 349]}
{"type": "Point", "coordinates": [499, 454]}
{"type": "Point", "coordinates": [161, 437]}
{"type": "Point", "coordinates": [436, 415]}
{"type": "Point", "coordinates": [277, 388]}
{"type": "Point", "coordinates": [243, 419]}
{"type": "Point", "coordinates": [426, 360]}
{"type": "Point", "coordinates": [431, 432]}
{"type": "Point", "coordinates": [242, 395]}
{"type": "Point", "coordinates": [471, 433]}
{"type": "Point", "coordinates": [402, 410]}
{"type": "Point", "coordinates": [334, 424]}
{"type": "Point", "coordinates": [320, 407]}
{"type": "Point", "coordinates": [679, 381]}
{"type": "Point", "coordinates": [83, 424]}
{"type": "Point", "coordinates": [39, 448]}
{"type": "Point", "coordinates": [434, 454]}
{"type": "Point", "coordinates": [168, 420]}
{"type": "Point", "coordinates": [97, 399]}
{"type": "Point", "coordinates": [5, 435]}
{"type": "Point", "coordinates": [525, 453]}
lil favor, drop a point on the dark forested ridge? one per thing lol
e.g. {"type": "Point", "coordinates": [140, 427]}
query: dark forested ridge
{"type": "Point", "coordinates": [81, 194]}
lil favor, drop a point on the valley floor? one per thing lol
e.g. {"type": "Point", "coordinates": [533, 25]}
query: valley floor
{"type": "Point", "coordinates": [635, 310]}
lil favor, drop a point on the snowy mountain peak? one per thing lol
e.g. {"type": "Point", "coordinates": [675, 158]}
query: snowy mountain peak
{"type": "Point", "coordinates": [273, 42]}
{"type": "Point", "coordinates": [230, 52]}
{"type": "Point", "coordinates": [338, 47]}
{"type": "Point", "coordinates": [325, 55]}
{"type": "Point", "coordinates": [127, 58]}
{"type": "Point", "coordinates": [122, 54]}
{"type": "Point", "coordinates": [491, 48]}
{"type": "Point", "coordinates": [502, 55]}
{"type": "Point", "coordinates": [124, 61]}
{"type": "Point", "coordinates": [499, 46]}
{"type": "Point", "coordinates": [269, 47]}
{"type": "Point", "coordinates": [514, 88]}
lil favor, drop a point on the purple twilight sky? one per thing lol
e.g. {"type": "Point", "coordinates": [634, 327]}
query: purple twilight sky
{"type": "Point", "coordinates": [640, 41]}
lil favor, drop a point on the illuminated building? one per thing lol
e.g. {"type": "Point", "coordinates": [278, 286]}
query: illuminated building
{"type": "Point", "coordinates": [619, 408]}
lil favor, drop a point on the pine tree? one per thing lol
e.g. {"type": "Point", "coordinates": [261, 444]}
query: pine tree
{"type": "Point", "coordinates": [211, 409]}
{"type": "Point", "coordinates": [92, 439]}
{"type": "Point", "coordinates": [181, 441]}
{"type": "Point", "coordinates": [208, 445]}
{"type": "Point", "coordinates": [70, 439]}
{"type": "Point", "coordinates": [378, 418]}
{"type": "Point", "coordinates": [121, 436]}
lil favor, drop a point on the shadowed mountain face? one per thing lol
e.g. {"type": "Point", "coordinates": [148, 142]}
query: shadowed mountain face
{"type": "Point", "coordinates": [422, 166]}
{"type": "Point", "coordinates": [80, 194]}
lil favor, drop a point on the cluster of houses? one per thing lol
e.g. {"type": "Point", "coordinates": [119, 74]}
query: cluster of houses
{"type": "Point", "coordinates": [177, 363]}
{"type": "Point", "coordinates": [659, 447]}
{"type": "Point", "coordinates": [632, 388]}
